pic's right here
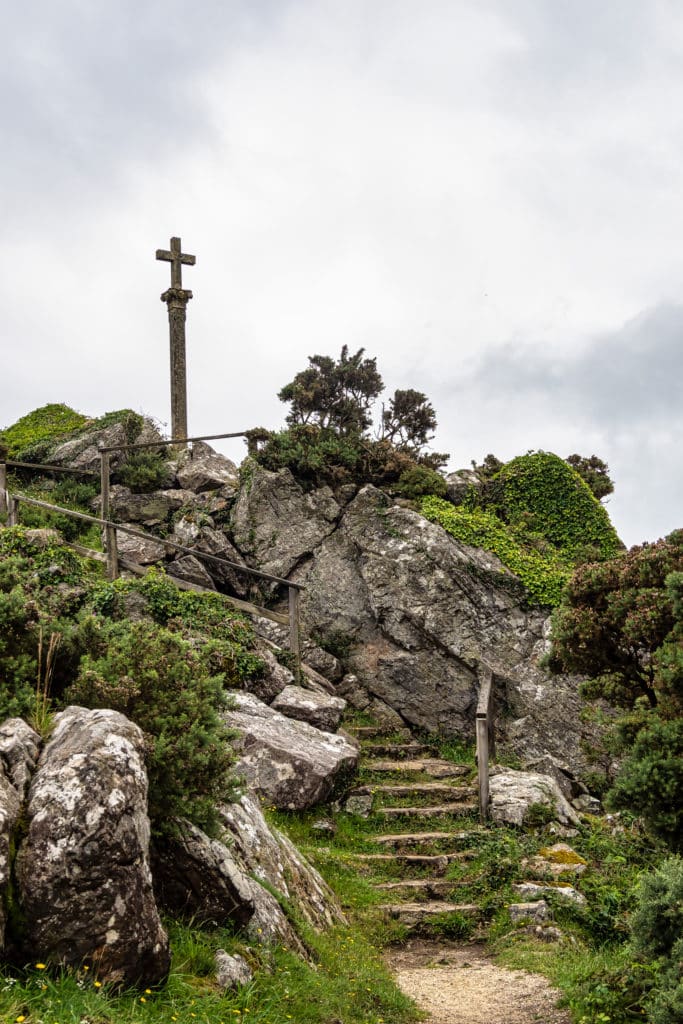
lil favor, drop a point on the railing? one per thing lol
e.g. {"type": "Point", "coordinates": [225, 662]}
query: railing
{"type": "Point", "coordinates": [485, 737]}
{"type": "Point", "coordinates": [11, 504]}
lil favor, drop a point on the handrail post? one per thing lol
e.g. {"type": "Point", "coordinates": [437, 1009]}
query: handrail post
{"type": "Point", "coordinates": [294, 625]}
{"type": "Point", "coordinates": [12, 511]}
{"type": "Point", "coordinates": [3, 485]}
{"type": "Point", "coordinates": [110, 544]}
{"type": "Point", "coordinates": [484, 734]}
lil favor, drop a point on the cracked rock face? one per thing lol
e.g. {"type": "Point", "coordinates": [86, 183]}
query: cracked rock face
{"type": "Point", "coordinates": [288, 763]}
{"type": "Point", "coordinates": [82, 871]}
{"type": "Point", "coordinates": [276, 523]}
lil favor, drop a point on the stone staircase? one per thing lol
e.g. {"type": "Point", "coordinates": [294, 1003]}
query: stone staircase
{"type": "Point", "coordinates": [430, 805]}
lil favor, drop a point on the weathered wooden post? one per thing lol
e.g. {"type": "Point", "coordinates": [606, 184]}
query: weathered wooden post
{"type": "Point", "coordinates": [110, 545]}
{"type": "Point", "coordinates": [13, 511]}
{"type": "Point", "coordinates": [177, 298]}
{"type": "Point", "coordinates": [3, 479]}
{"type": "Point", "coordinates": [483, 729]}
{"type": "Point", "coordinates": [294, 626]}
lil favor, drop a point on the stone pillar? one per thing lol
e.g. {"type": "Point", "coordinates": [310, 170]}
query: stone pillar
{"type": "Point", "coordinates": [177, 299]}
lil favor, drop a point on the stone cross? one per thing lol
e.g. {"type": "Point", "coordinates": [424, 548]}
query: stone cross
{"type": "Point", "coordinates": [177, 298]}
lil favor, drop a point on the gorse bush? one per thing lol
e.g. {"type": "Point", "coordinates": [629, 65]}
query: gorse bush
{"type": "Point", "coordinates": [167, 672]}
{"type": "Point", "coordinates": [657, 930]}
{"type": "Point", "coordinates": [160, 681]}
{"type": "Point", "coordinates": [40, 428]}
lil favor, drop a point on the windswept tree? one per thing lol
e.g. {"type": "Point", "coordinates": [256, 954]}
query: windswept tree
{"type": "Point", "coordinates": [594, 471]}
{"type": "Point", "coordinates": [330, 437]}
{"type": "Point", "coordinates": [333, 394]}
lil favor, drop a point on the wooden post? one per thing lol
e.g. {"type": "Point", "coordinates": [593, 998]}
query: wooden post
{"type": "Point", "coordinates": [483, 767]}
{"type": "Point", "coordinates": [110, 545]}
{"type": "Point", "coordinates": [3, 486]}
{"type": "Point", "coordinates": [484, 732]}
{"type": "Point", "coordinates": [294, 643]}
{"type": "Point", "coordinates": [13, 511]}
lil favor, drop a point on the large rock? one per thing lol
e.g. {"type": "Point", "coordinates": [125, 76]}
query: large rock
{"type": "Point", "coordinates": [190, 531]}
{"type": "Point", "coordinates": [191, 570]}
{"type": "Point", "coordinates": [202, 469]}
{"type": "Point", "coordinates": [83, 877]}
{"type": "Point", "coordinates": [318, 709]}
{"type": "Point", "coordinates": [19, 747]}
{"type": "Point", "coordinates": [290, 764]}
{"type": "Point", "coordinates": [275, 523]}
{"type": "Point", "coordinates": [152, 508]}
{"type": "Point", "coordinates": [419, 612]}
{"type": "Point", "coordinates": [513, 793]}
{"type": "Point", "coordinates": [271, 858]}
{"type": "Point", "coordinates": [141, 550]}
{"type": "Point", "coordinates": [83, 451]}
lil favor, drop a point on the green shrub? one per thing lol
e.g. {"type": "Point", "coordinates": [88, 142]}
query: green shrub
{"type": "Point", "coordinates": [40, 428]}
{"type": "Point", "coordinates": [543, 576]}
{"type": "Point", "coordinates": [650, 781]}
{"type": "Point", "coordinates": [158, 679]}
{"type": "Point", "coordinates": [657, 930]}
{"type": "Point", "coordinates": [551, 499]}
{"type": "Point", "coordinates": [143, 471]}
{"type": "Point", "coordinates": [419, 481]}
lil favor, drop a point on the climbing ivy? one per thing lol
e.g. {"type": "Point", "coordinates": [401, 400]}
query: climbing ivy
{"type": "Point", "coordinates": [543, 575]}
{"type": "Point", "coordinates": [43, 425]}
{"type": "Point", "coordinates": [541, 494]}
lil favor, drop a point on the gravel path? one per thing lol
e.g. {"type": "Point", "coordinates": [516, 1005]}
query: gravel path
{"type": "Point", "coordinates": [459, 984]}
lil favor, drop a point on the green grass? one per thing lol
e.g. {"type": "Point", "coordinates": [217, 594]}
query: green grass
{"type": "Point", "coordinates": [345, 981]}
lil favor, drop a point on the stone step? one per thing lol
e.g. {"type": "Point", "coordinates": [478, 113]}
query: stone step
{"type": "Point", "coordinates": [429, 766]}
{"type": "Point", "coordinates": [436, 860]}
{"type": "Point", "coordinates": [436, 811]}
{"type": "Point", "coordinates": [370, 731]}
{"type": "Point", "coordinates": [413, 915]}
{"type": "Point", "coordinates": [420, 789]}
{"type": "Point", "coordinates": [430, 888]}
{"type": "Point", "coordinates": [402, 839]}
{"type": "Point", "coordinates": [396, 750]}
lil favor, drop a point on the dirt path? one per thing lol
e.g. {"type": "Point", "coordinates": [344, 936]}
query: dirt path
{"type": "Point", "coordinates": [460, 984]}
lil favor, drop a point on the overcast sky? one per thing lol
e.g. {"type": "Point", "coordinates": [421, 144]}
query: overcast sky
{"type": "Point", "coordinates": [486, 194]}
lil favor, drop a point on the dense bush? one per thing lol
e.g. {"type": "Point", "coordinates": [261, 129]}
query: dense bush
{"type": "Point", "coordinates": [650, 781]}
{"type": "Point", "coordinates": [657, 929]}
{"type": "Point", "coordinates": [540, 492]}
{"type": "Point", "coordinates": [543, 575]}
{"type": "Point", "coordinates": [39, 428]}
{"type": "Point", "coordinates": [328, 439]}
{"type": "Point", "coordinates": [159, 680]}
{"type": "Point", "coordinates": [143, 471]}
{"type": "Point", "coordinates": [167, 672]}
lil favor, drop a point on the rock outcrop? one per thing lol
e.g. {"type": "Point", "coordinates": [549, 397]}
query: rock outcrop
{"type": "Point", "coordinates": [83, 876]}
{"type": "Point", "coordinates": [289, 763]}
{"type": "Point", "coordinates": [514, 793]}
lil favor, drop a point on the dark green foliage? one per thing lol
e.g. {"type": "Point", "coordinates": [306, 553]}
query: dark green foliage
{"type": "Point", "coordinates": [43, 426]}
{"type": "Point", "coordinates": [621, 625]}
{"type": "Point", "coordinates": [409, 421]}
{"type": "Point", "coordinates": [488, 468]}
{"type": "Point", "coordinates": [167, 672]}
{"type": "Point", "coordinates": [143, 471]}
{"type": "Point", "coordinates": [418, 482]}
{"type": "Point", "coordinates": [334, 394]}
{"type": "Point", "coordinates": [159, 680]}
{"type": "Point", "coordinates": [328, 440]}
{"type": "Point", "coordinates": [650, 782]}
{"type": "Point", "coordinates": [543, 574]}
{"type": "Point", "coordinates": [540, 493]}
{"type": "Point", "coordinates": [594, 471]}
{"type": "Point", "coordinates": [657, 928]}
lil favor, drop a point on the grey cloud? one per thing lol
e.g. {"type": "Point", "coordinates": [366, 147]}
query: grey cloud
{"type": "Point", "coordinates": [92, 87]}
{"type": "Point", "coordinates": [623, 379]}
